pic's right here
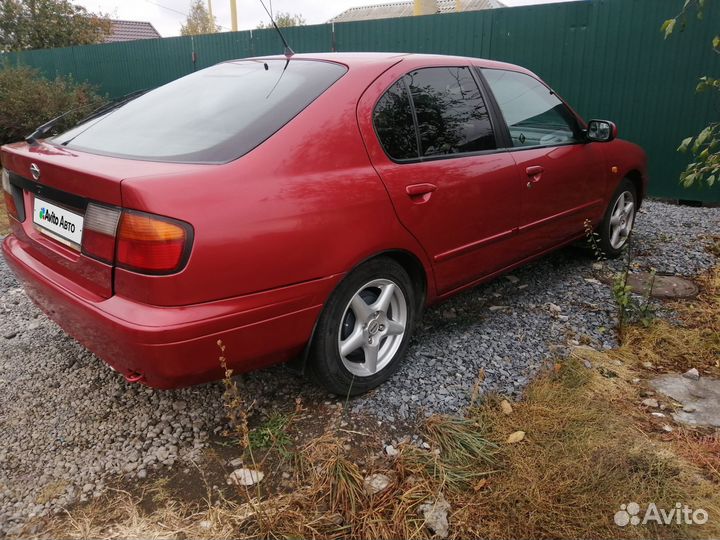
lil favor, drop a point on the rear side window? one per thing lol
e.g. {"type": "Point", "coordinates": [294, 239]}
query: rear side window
{"type": "Point", "coordinates": [393, 120]}
{"type": "Point", "coordinates": [534, 115]}
{"type": "Point", "coordinates": [212, 116]}
{"type": "Point", "coordinates": [452, 117]}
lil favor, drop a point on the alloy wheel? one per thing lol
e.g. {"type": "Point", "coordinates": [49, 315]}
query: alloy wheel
{"type": "Point", "coordinates": [372, 328]}
{"type": "Point", "coordinates": [622, 220]}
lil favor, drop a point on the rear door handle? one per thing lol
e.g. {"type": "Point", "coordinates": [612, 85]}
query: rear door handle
{"type": "Point", "coordinates": [420, 189]}
{"type": "Point", "coordinates": [420, 193]}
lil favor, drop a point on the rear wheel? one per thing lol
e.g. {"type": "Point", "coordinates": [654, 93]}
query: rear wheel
{"type": "Point", "coordinates": [619, 219]}
{"type": "Point", "coordinates": [365, 328]}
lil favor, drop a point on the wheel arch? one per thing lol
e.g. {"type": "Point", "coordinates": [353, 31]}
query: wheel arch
{"type": "Point", "coordinates": [635, 176]}
{"type": "Point", "coordinates": [415, 269]}
{"type": "Point", "coordinates": [418, 276]}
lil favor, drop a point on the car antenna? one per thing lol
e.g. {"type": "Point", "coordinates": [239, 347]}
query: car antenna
{"type": "Point", "coordinates": [288, 51]}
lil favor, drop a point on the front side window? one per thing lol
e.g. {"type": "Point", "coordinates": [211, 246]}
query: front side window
{"type": "Point", "coordinates": [213, 116]}
{"type": "Point", "coordinates": [534, 115]}
{"type": "Point", "coordinates": [394, 125]}
{"type": "Point", "coordinates": [452, 117]}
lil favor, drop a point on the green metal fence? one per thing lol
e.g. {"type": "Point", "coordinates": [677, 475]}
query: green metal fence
{"type": "Point", "coordinates": [606, 57]}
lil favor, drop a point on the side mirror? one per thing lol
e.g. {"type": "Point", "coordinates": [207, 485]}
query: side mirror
{"type": "Point", "coordinates": [601, 131]}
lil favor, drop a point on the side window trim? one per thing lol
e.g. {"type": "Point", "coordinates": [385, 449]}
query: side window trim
{"type": "Point", "coordinates": [406, 86]}
{"type": "Point", "coordinates": [412, 110]}
{"type": "Point", "coordinates": [502, 132]}
{"type": "Point", "coordinates": [507, 140]}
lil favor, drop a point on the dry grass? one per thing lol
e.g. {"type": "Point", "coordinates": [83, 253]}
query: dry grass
{"type": "Point", "coordinates": [701, 449]}
{"type": "Point", "coordinates": [52, 491]}
{"type": "Point", "coordinates": [4, 220]}
{"type": "Point", "coordinates": [696, 343]}
{"type": "Point", "coordinates": [582, 457]}
{"type": "Point", "coordinates": [588, 449]}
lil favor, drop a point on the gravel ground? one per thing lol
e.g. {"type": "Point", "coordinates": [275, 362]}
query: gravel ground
{"type": "Point", "coordinates": [71, 426]}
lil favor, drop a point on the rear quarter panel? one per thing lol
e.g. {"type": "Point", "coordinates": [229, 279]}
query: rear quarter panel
{"type": "Point", "coordinates": [305, 204]}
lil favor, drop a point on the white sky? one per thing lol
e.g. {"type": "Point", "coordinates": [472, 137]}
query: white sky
{"type": "Point", "coordinates": [168, 15]}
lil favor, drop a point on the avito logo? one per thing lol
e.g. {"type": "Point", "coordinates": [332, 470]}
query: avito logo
{"type": "Point", "coordinates": [49, 215]}
{"type": "Point", "coordinates": [630, 514]}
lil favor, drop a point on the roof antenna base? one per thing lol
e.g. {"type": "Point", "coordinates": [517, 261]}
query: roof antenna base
{"type": "Point", "coordinates": [288, 51]}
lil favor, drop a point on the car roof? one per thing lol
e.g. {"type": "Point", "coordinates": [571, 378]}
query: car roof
{"type": "Point", "coordinates": [388, 58]}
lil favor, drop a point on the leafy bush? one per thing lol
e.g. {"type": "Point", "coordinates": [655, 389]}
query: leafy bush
{"type": "Point", "coordinates": [28, 100]}
{"type": "Point", "coordinates": [46, 24]}
{"type": "Point", "coordinates": [704, 147]}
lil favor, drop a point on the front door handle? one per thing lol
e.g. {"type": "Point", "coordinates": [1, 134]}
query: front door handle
{"type": "Point", "coordinates": [535, 174]}
{"type": "Point", "coordinates": [420, 193]}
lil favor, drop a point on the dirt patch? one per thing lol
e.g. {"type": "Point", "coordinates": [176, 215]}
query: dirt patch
{"type": "Point", "coordinates": [662, 286]}
{"type": "Point", "coordinates": [276, 450]}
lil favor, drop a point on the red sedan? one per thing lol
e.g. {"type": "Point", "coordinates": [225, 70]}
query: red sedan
{"type": "Point", "coordinates": [303, 208]}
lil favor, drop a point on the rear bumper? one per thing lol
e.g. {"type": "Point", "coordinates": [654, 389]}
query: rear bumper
{"type": "Point", "coordinates": [175, 346]}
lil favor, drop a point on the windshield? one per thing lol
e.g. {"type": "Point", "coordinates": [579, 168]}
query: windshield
{"type": "Point", "coordinates": [212, 116]}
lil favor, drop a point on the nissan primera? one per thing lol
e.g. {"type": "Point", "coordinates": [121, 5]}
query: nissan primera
{"type": "Point", "coordinates": [304, 208]}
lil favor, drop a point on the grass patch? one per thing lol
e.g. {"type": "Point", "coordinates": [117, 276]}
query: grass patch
{"type": "Point", "coordinates": [460, 454]}
{"type": "Point", "coordinates": [4, 220]}
{"type": "Point", "coordinates": [584, 455]}
{"type": "Point", "coordinates": [701, 449]}
{"type": "Point", "coordinates": [678, 347]}
{"type": "Point", "coordinates": [273, 433]}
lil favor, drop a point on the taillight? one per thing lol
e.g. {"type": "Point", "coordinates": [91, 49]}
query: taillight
{"type": "Point", "coordinates": [13, 197]}
{"type": "Point", "coordinates": [151, 244]}
{"type": "Point", "coordinates": [99, 230]}
{"type": "Point", "coordinates": [134, 240]}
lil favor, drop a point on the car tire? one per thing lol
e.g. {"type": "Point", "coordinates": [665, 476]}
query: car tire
{"type": "Point", "coordinates": [365, 328]}
{"type": "Point", "coordinates": [617, 224]}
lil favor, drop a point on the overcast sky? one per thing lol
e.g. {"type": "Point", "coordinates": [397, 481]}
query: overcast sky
{"type": "Point", "coordinates": [168, 15]}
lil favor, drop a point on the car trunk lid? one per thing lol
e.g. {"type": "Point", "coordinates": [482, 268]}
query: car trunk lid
{"type": "Point", "coordinates": [63, 182]}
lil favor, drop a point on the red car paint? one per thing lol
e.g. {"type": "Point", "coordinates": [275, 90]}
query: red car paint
{"type": "Point", "coordinates": [276, 230]}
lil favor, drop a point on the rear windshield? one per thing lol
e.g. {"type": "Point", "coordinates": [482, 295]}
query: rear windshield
{"type": "Point", "coordinates": [212, 116]}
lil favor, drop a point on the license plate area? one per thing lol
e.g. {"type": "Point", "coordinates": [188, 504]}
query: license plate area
{"type": "Point", "coordinates": [58, 222]}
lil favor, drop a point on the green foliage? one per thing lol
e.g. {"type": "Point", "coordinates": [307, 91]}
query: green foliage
{"type": "Point", "coordinates": [199, 21]}
{"type": "Point", "coordinates": [680, 20]}
{"type": "Point", "coordinates": [622, 294]}
{"type": "Point", "coordinates": [632, 308]}
{"type": "Point", "coordinates": [704, 147]}
{"type": "Point", "coordinates": [273, 434]}
{"type": "Point", "coordinates": [29, 100]}
{"type": "Point", "coordinates": [284, 20]}
{"type": "Point", "coordinates": [43, 24]}
{"type": "Point", "coordinates": [593, 240]}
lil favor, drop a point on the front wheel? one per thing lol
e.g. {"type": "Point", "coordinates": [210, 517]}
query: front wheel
{"type": "Point", "coordinates": [615, 229]}
{"type": "Point", "coordinates": [365, 328]}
